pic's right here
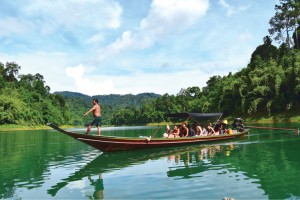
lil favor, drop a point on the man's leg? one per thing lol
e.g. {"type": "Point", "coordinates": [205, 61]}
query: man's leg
{"type": "Point", "coordinates": [99, 131]}
{"type": "Point", "coordinates": [88, 129]}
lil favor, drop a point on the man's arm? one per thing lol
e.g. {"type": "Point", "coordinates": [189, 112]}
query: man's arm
{"type": "Point", "coordinates": [187, 132]}
{"type": "Point", "coordinates": [92, 109]}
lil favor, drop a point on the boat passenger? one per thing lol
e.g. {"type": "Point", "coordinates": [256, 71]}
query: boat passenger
{"type": "Point", "coordinates": [171, 133]}
{"type": "Point", "coordinates": [191, 131]}
{"type": "Point", "coordinates": [198, 130]}
{"type": "Point", "coordinates": [168, 131]}
{"type": "Point", "coordinates": [217, 127]}
{"type": "Point", "coordinates": [204, 131]}
{"type": "Point", "coordinates": [224, 127]}
{"type": "Point", "coordinates": [176, 131]}
{"type": "Point", "coordinates": [210, 130]}
{"type": "Point", "coordinates": [184, 131]}
{"type": "Point", "coordinates": [216, 133]}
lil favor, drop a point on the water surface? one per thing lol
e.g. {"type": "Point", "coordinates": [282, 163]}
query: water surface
{"type": "Point", "coordinates": [49, 165]}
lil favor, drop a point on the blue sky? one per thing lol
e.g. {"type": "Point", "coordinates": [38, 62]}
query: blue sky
{"type": "Point", "coordinates": [100, 47]}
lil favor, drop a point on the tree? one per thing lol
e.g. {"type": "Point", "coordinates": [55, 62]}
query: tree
{"type": "Point", "coordinates": [296, 15]}
{"type": "Point", "coordinates": [166, 103]}
{"type": "Point", "coordinates": [296, 38]}
{"type": "Point", "coordinates": [26, 80]}
{"type": "Point", "coordinates": [266, 51]}
{"type": "Point", "coordinates": [285, 20]}
{"type": "Point", "coordinates": [1, 76]}
{"type": "Point", "coordinates": [11, 71]}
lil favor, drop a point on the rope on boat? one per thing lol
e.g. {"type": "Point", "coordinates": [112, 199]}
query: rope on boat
{"type": "Point", "coordinates": [218, 120]}
{"type": "Point", "coordinates": [155, 132]}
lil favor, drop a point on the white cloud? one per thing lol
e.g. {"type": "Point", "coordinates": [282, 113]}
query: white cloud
{"type": "Point", "coordinates": [231, 10]}
{"type": "Point", "coordinates": [71, 14]}
{"type": "Point", "coordinates": [67, 22]}
{"type": "Point", "coordinates": [136, 83]}
{"type": "Point", "coordinates": [50, 65]}
{"type": "Point", "coordinates": [168, 17]}
{"type": "Point", "coordinates": [224, 4]}
{"type": "Point", "coordinates": [172, 16]}
{"type": "Point", "coordinates": [90, 86]}
{"type": "Point", "coordinates": [12, 25]}
{"type": "Point", "coordinates": [97, 38]}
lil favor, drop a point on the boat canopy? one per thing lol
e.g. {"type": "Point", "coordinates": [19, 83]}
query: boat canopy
{"type": "Point", "coordinates": [194, 115]}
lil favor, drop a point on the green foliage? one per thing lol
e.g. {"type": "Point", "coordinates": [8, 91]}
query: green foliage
{"type": "Point", "coordinates": [266, 86]}
{"type": "Point", "coordinates": [269, 84]}
{"type": "Point", "coordinates": [265, 52]}
{"type": "Point", "coordinates": [27, 101]}
{"type": "Point", "coordinates": [285, 20]}
{"type": "Point", "coordinates": [115, 109]}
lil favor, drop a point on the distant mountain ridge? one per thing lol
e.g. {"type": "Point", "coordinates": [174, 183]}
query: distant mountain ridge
{"type": "Point", "coordinates": [79, 103]}
{"type": "Point", "coordinates": [112, 99]}
{"type": "Point", "coordinates": [72, 94]}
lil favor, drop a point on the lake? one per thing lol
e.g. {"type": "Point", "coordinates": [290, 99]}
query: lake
{"type": "Point", "coordinates": [46, 164]}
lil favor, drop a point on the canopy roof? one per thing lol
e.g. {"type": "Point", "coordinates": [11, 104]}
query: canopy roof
{"type": "Point", "coordinates": [195, 115]}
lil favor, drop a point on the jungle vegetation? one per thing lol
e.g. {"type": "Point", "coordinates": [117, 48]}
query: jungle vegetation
{"type": "Point", "coordinates": [269, 85]}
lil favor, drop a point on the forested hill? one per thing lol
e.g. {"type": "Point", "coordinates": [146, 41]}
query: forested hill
{"type": "Point", "coordinates": [117, 100]}
{"type": "Point", "coordinates": [68, 94]}
{"type": "Point", "coordinates": [79, 103]}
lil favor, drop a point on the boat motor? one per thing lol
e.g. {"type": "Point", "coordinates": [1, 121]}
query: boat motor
{"type": "Point", "coordinates": [238, 124]}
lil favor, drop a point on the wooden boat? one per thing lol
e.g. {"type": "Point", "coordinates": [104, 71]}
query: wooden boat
{"type": "Point", "coordinates": [115, 143]}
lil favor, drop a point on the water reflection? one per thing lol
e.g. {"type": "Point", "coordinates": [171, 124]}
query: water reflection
{"type": "Point", "coordinates": [98, 187]}
{"type": "Point", "coordinates": [197, 160]}
{"type": "Point", "coordinates": [186, 160]}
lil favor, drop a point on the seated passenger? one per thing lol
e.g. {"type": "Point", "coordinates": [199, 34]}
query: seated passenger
{"type": "Point", "coordinates": [210, 130]}
{"type": "Point", "coordinates": [204, 132]}
{"type": "Point", "coordinates": [198, 130]}
{"type": "Point", "coordinates": [171, 133]}
{"type": "Point", "coordinates": [191, 131]}
{"type": "Point", "coordinates": [168, 131]}
{"type": "Point", "coordinates": [217, 127]}
{"type": "Point", "coordinates": [223, 127]}
{"type": "Point", "coordinates": [175, 132]}
{"type": "Point", "coordinates": [184, 131]}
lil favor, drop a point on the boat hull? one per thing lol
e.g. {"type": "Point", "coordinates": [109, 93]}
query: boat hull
{"type": "Point", "coordinates": [112, 143]}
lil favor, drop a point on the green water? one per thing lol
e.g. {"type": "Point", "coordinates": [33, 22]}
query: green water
{"type": "Point", "coordinates": [49, 165]}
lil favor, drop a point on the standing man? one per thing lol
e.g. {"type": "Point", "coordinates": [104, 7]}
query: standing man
{"type": "Point", "coordinates": [97, 117]}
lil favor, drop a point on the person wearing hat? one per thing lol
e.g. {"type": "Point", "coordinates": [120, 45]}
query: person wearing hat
{"type": "Point", "coordinates": [224, 127]}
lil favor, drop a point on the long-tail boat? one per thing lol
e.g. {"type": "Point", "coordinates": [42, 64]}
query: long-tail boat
{"type": "Point", "coordinates": [116, 143]}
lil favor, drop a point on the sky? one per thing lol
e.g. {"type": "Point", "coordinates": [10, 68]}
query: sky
{"type": "Point", "coordinates": [101, 47]}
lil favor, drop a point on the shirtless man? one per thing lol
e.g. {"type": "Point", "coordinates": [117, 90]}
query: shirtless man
{"type": "Point", "coordinates": [97, 117]}
{"type": "Point", "coordinates": [184, 131]}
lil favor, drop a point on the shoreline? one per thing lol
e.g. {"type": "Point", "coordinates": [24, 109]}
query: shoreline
{"type": "Point", "coordinates": [8, 128]}
{"type": "Point", "coordinates": [262, 120]}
